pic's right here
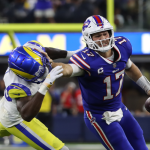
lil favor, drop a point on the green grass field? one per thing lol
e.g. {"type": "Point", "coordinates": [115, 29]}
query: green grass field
{"type": "Point", "coordinates": [71, 147]}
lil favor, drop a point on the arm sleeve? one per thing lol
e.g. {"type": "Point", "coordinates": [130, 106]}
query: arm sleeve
{"type": "Point", "coordinates": [66, 60]}
{"type": "Point", "coordinates": [128, 64]}
{"type": "Point", "coordinates": [77, 71]}
{"type": "Point", "coordinates": [70, 53]}
{"type": "Point", "coordinates": [80, 60]}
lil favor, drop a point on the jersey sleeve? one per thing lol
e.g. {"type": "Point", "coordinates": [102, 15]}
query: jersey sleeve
{"type": "Point", "coordinates": [16, 90]}
{"type": "Point", "coordinates": [128, 64]}
{"type": "Point", "coordinates": [81, 60]}
{"type": "Point", "coordinates": [129, 46]}
{"type": "Point", "coordinates": [125, 42]}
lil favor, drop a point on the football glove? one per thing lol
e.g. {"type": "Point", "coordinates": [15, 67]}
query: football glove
{"type": "Point", "coordinates": [50, 79]}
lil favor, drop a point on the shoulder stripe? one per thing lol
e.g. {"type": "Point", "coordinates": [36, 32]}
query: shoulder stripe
{"type": "Point", "coordinates": [76, 63]}
{"type": "Point", "coordinates": [82, 61]}
{"type": "Point", "coordinates": [16, 90]}
{"type": "Point", "coordinates": [26, 89]}
{"type": "Point", "coordinates": [71, 59]}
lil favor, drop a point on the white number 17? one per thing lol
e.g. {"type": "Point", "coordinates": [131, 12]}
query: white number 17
{"type": "Point", "coordinates": [109, 87]}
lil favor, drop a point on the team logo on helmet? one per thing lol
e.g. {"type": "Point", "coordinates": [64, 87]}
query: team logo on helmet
{"type": "Point", "coordinates": [85, 25]}
{"type": "Point", "coordinates": [41, 69]}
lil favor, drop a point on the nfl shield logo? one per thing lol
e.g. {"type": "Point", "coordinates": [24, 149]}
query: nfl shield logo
{"type": "Point", "coordinates": [114, 65]}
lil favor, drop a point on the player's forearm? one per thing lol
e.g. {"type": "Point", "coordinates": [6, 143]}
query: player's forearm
{"type": "Point", "coordinates": [55, 53]}
{"type": "Point", "coordinates": [31, 107]}
{"type": "Point", "coordinates": [67, 69]}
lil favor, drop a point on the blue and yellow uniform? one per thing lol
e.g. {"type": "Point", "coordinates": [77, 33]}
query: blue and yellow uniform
{"type": "Point", "coordinates": [34, 132]}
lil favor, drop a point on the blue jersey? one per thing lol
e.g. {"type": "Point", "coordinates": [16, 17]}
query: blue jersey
{"type": "Point", "coordinates": [102, 83]}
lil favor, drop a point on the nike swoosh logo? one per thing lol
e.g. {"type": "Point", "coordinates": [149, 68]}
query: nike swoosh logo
{"type": "Point", "coordinates": [83, 57]}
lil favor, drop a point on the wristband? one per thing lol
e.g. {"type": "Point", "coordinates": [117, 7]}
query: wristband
{"type": "Point", "coordinates": [143, 83]}
{"type": "Point", "coordinates": [43, 89]}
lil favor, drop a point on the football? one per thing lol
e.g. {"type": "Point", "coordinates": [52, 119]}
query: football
{"type": "Point", "coordinates": [147, 104]}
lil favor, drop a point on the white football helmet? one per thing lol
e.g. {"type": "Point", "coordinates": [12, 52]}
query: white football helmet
{"type": "Point", "coordinates": [94, 24]}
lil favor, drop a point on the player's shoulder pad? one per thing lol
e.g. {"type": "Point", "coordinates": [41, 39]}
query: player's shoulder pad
{"type": "Point", "coordinates": [123, 41]}
{"type": "Point", "coordinates": [16, 90]}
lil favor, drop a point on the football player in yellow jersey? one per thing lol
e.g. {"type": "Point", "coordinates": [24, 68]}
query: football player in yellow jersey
{"type": "Point", "coordinates": [27, 80]}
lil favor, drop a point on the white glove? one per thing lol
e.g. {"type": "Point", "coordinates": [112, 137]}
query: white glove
{"type": "Point", "coordinates": [50, 79]}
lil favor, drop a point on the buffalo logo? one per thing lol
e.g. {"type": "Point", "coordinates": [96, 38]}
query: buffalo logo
{"type": "Point", "coordinates": [85, 25]}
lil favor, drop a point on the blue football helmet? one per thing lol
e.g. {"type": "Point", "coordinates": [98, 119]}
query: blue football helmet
{"type": "Point", "coordinates": [29, 64]}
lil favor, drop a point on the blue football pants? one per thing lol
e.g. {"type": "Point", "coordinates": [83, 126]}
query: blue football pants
{"type": "Point", "coordinates": [124, 135]}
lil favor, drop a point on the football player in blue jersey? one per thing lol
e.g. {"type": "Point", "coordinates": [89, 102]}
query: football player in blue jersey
{"type": "Point", "coordinates": [100, 68]}
{"type": "Point", "coordinates": [27, 80]}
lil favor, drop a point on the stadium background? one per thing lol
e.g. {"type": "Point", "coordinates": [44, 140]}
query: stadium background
{"type": "Point", "coordinates": [130, 19]}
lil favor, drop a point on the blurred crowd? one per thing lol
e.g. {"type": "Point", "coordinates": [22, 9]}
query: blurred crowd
{"type": "Point", "coordinates": [127, 12]}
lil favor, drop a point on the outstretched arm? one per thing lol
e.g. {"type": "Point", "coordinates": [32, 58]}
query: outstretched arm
{"type": "Point", "coordinates": [69, 70]}
{"type": "Point", "coordinates": [55, 53]}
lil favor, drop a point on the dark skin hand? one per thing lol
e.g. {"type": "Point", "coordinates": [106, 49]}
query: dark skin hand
{"type": "Point", "coordinates": [55, 53]}
{"type": "Point", "coordinates": [29, 106]}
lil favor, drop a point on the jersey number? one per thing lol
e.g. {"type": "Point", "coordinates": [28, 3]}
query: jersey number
{"type": "Point", "coordinates": [122, 41]}
{"type": "Point", "coordinates": [109, 87]}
